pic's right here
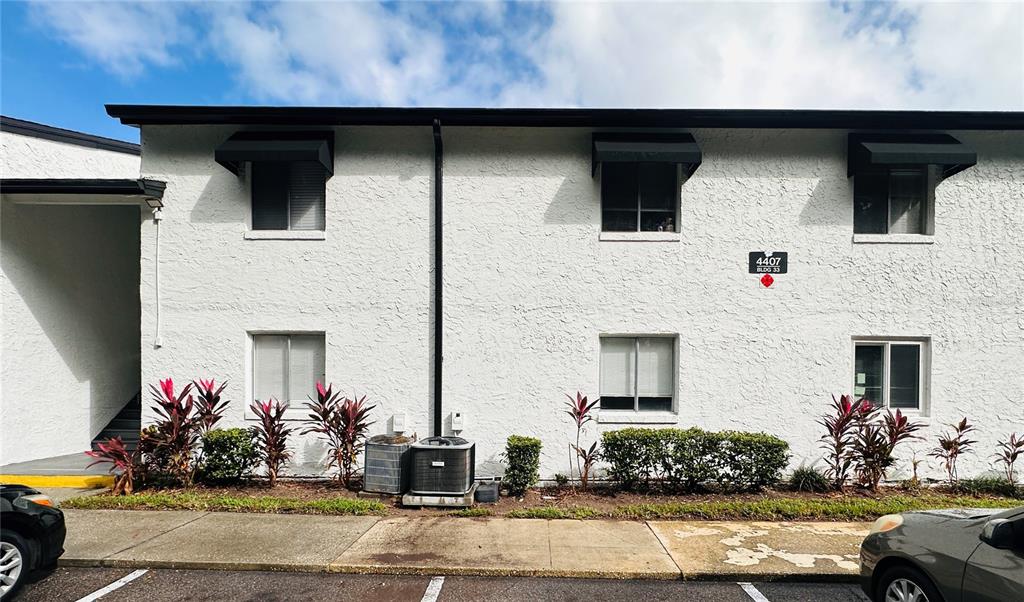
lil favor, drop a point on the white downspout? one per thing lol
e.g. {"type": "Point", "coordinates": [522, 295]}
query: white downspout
{"type": "Point", "coordinates": [158, 341]}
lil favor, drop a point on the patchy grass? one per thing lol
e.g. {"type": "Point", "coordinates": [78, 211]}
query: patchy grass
{"type": "Point", "coordinates": [554, 512]}
{"type": "Point", "coordinates": [474, 512]}
{"type": "Point", "coordinates": [804, 509]}
{"type": "Point", "coordinates": [768, 508]}
{"type": "Point", "coordinates": [226, 503]}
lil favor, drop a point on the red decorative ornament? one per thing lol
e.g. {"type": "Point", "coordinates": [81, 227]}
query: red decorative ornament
{"type": "Point", "coordinates": [767, 280]}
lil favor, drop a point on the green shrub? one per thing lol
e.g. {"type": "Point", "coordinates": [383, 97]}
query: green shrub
{"type": "Point", "coordinates": [989, 486]}
{"type": "Point", "coordinates": [634, 456]}
{"type": "Point", "coordinates": [690, 458]}
{"type": "Point", "coordinates": [686, 460]}
{"type": "Point", "coordinates": [751, 461]}
{"type": "Point", "coordinates": [523, 470]}
{"type": "Point", "coordinates": [810, 479]}
{"type": "Point", "coordinates": [229, 455]}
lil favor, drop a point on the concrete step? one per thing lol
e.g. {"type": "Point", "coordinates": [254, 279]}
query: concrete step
{"type": "Point", "coordinates": [128, 433]}
{"type": "Point", "coordinates": [122, 424]}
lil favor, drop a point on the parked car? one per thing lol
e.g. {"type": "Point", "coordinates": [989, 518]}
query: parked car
{"type": "Point", "coordinates": [945, 556]}
{"type": "Point", "coordinates": [31, 535]}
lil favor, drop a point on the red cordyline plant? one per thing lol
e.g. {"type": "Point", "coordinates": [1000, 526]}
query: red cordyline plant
{"type": "Point", "coordinates": [175, 434]}
{"type": "Point", "coordinates": [342, 424]}
{"type": "Point", "coordinates": [876, 440]}
{"type": "Point", "coordinates": [840, 431]}
{"type": "Point", "coordinates": [1009, 451]}
{"type": "Point", "coordinates": [124, 465]}
{"type": "Point", "coordinates": [581, 411]}
{"type": "Point", "coordinates": [952, 446]}
{"type": "Point", "coordinates": [272, 436]}
{"type": "Point", "coordinates": [209, 407]}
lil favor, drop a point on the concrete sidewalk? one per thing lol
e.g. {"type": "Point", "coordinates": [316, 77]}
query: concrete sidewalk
{"type": "Point", "coordinates": [464, 546]}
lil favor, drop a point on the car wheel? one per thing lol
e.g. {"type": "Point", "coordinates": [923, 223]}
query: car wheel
{"type": "Point", "coordinates": [14, 562]}
{"type": "Point", "coordinates": [906, 584]}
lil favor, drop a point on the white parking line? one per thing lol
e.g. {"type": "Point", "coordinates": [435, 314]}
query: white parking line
{"type": "Point", "coordinates": [752, 591]}
{"type": "Point", "coordinates": [96, 595]}
{"type": "Point", "coordinates": [433, 590]}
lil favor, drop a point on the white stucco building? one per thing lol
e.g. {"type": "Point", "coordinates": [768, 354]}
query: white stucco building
{"type": "Point", "coordinates": [606, 251]}
{"type": "Point", "coordinates": [70, 256]}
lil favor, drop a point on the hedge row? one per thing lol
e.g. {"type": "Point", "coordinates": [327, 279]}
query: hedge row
{"type": "Point", "coordinates": [694, 459]}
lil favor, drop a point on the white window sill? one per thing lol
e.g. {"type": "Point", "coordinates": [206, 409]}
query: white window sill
{"type": "Point", "coordinates": [894, 239]}
{"type": "Point", "coordinates": [641, 236]}
{"type": "Point", "coordinates": [285, 235]}
{"type": "Point", "coordinates": [630, 417]}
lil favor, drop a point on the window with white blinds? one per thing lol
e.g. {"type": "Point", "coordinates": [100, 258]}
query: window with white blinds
{"type": "Point", "coordinates": [637, 373]}
{"type": "Point", "coordinates": [288, 196]}
{"type": "Point", "coordinates": [287, 367]}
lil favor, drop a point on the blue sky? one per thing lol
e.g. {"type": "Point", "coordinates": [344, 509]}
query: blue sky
{"type": "Point", "coordinates": [62, 61]}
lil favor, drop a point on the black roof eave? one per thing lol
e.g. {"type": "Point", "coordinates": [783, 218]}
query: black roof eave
{"type": "Point", "coordinates": [48, 132]}
{"type": "Point", "coordinates": [99, 186]}
{"type": "Point", "coordinates": [610, 118]}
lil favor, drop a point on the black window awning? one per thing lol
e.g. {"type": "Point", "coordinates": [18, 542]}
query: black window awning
{"type": "Point", "coordinates": [868, 152]}
{"type": "Point", "coordinates": [668, 147]}
{"type": "Point", "coordinates": [276, 146]}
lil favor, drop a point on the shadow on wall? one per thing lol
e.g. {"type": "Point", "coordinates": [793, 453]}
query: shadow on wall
{"type": "Point", "coordinates": [73, 292]}
{"type": "Point", "coordinates": [738, 169]}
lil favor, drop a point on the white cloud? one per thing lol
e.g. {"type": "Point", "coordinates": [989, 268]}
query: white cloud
{"type": "Point", "coordinates": [944, 55]}
{"type": "Point", "coordinates": [789, 55]}
{"type": "Point", "coordinates": [121, 37]}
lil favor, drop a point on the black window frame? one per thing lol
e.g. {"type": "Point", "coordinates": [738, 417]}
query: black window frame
{"type": "Point", "coordinates": [635, 169]}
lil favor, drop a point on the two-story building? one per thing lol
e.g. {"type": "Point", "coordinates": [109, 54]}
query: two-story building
{"type": "Point", "coordinates": [464, 268]}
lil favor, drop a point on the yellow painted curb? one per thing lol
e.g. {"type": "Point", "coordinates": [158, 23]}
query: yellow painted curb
{"type": "Point", "coordinates": [85, 481]}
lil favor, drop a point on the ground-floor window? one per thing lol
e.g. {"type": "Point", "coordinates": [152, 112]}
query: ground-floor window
{"type": "Point", "coordinates": [638, 373]}
{"type": "Point", "coordinates": [891, 372]}
{"type": "Point", "coordinates": [287, 367]}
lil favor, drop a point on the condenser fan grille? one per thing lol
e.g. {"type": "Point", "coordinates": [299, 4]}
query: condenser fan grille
{"type": "Point", "coordinates": [442, 470]}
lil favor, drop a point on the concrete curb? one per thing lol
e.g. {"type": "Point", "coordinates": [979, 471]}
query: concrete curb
{"type": "Point", "coordinates": [457, 571]}
{"type": "Point", "coordinates": [115, 563]}
{"type": "Point", "coordinates": [451, 571]}
{"type": "Point", "coordinates": [81, 481]}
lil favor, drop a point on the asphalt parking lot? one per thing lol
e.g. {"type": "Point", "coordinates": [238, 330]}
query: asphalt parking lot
{"type": "Point", "coordinates": [74, 584]}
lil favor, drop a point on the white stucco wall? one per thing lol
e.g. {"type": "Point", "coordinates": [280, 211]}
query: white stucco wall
{"type": "Point", "coordinates": [529, 287]}
{"type": "Point", "coordinates": [30, 157]}
{"type": "Point", "coordinates": [366, 286]}
{"type": "Point", "coordinates": [69, 355]}
{"type": "Point", "coordinates": [70, 324]}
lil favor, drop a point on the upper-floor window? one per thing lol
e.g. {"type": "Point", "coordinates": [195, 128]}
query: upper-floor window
{"type": "Point", "coordinates": [637, 373]}
{"type": "Point", "coordinates": [894, 201]}
{"type": "Point", "coordinates": [287, 175]}
{"type": "Point", "coordinates": [639, 197]}
{"type": "Point", "coordinates": [895, 176]}
{"type": "Point", "coordinates": [891, 373]}
{"type": "Point", "coordinates": [288, 196]}
{"type": "Point", "coordinates": [641, 174]}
